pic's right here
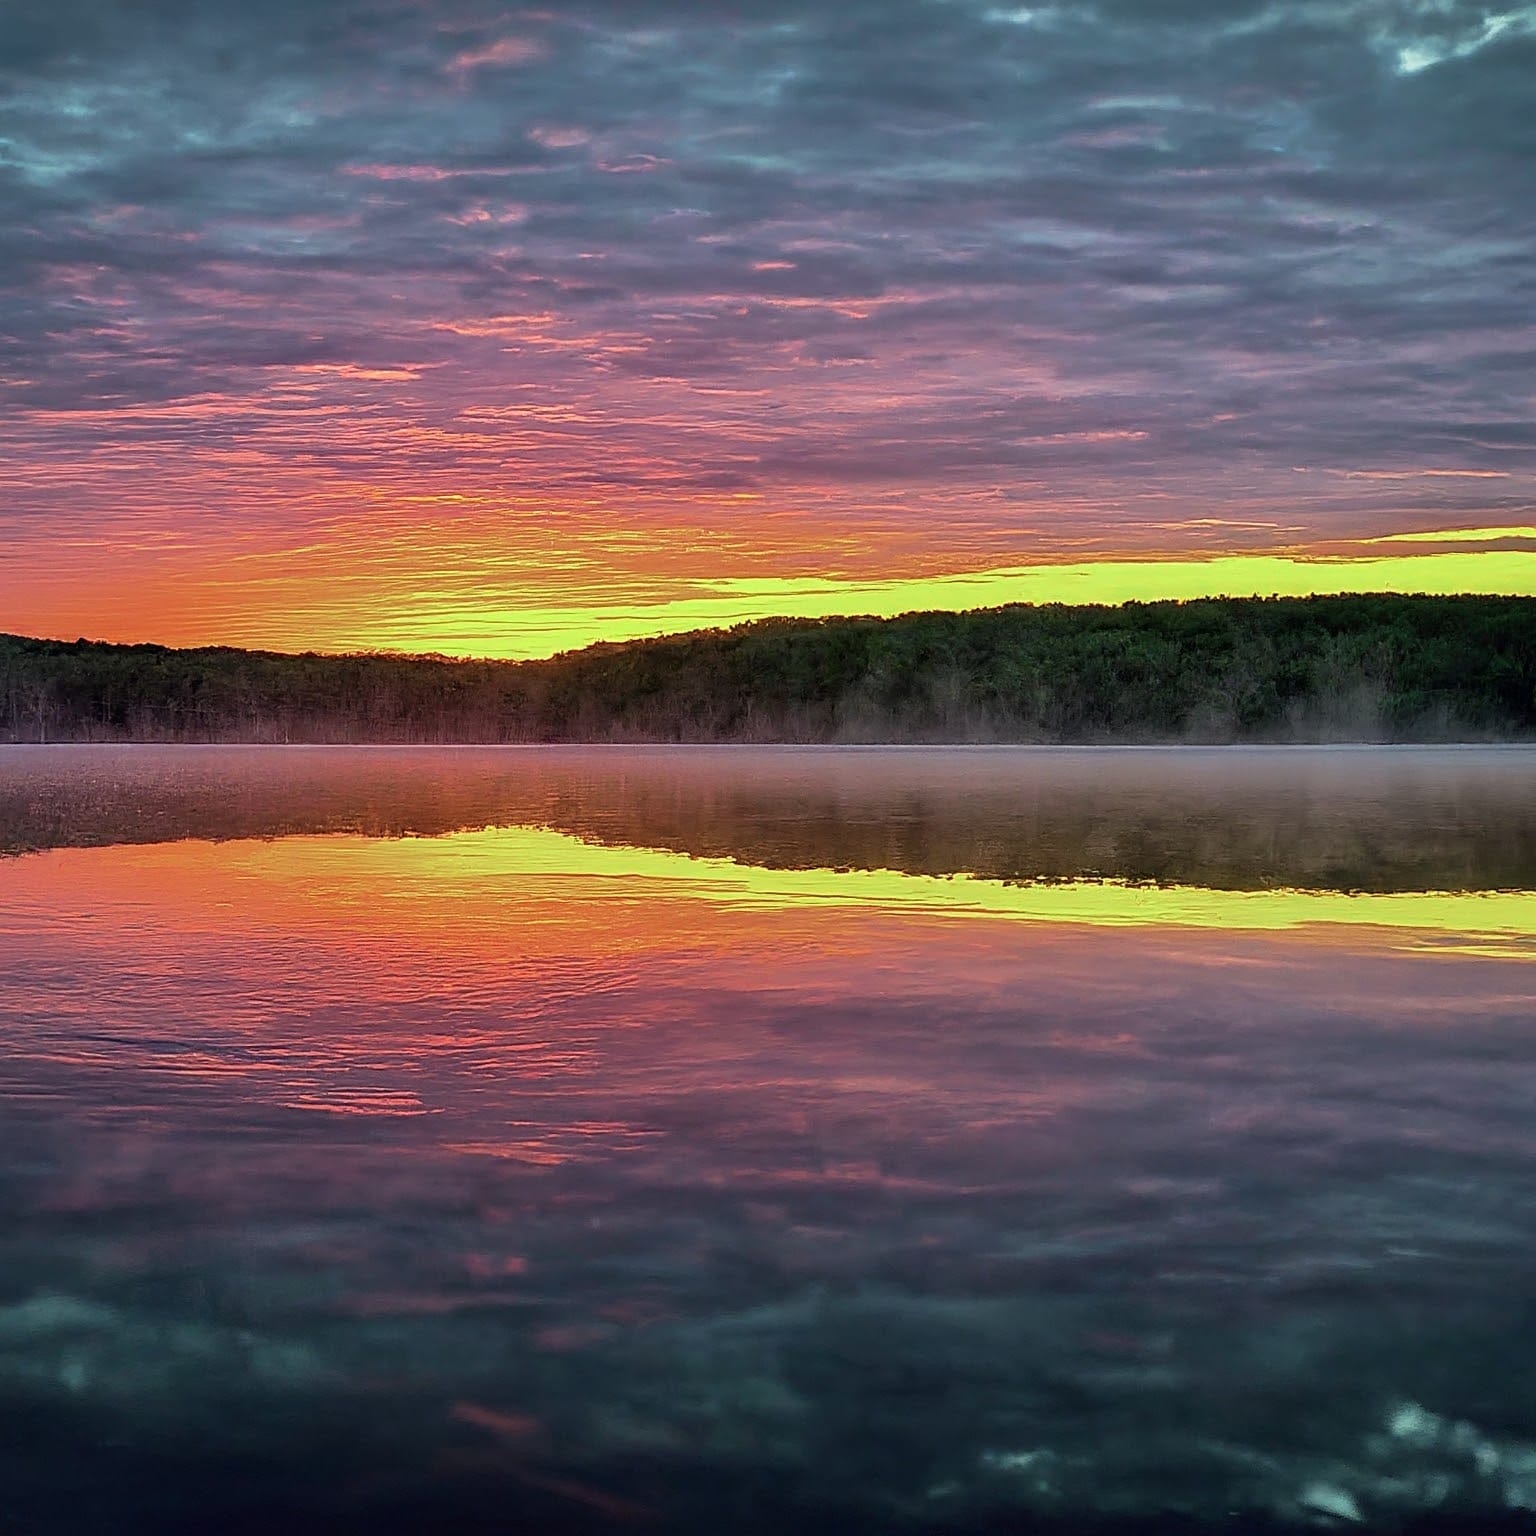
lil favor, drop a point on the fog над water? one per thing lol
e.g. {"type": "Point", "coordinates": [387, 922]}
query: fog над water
{"type": "Point", "coordinates": [1342, 818]}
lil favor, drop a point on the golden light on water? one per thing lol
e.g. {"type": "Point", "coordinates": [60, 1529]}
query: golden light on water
{"type": "Point", "coordinates": [478, 860]}
{"type": "Point", "coordinates": [523, 888]}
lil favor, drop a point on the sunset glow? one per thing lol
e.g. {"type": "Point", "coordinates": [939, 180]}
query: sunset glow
{"type": "Point", "coordinates": [493, 333]}
{"type": "Point", "coordinates": [353, 598]}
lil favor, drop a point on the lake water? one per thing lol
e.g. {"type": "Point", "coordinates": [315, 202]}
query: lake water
{"type": "Point", "coordinates": [739, 1140]}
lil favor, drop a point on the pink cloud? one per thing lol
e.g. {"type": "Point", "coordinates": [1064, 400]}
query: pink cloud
{"type": "Point", "coordinates": [633, 165]}
{"type": "Point", "coordinates": [559, 138]}
{"type": "Point", "coordinates": [506, 50]}
{"type": "Point", "coordinates": [482, 213]}
{"type": "Point", "coordinates": [426, 172]}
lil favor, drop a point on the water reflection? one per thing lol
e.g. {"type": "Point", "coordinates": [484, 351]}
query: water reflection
{"type": "Point", "coordinates": [588, 1170]}
{"type": "Point", "coordinates": [1368, 819]}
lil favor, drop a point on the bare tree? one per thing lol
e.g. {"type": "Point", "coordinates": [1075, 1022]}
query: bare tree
{"type": "Point", "coordinates": [39, 699]}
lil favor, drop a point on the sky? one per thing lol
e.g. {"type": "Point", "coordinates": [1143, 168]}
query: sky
{"type": "Point", "coordinates": [468, 328]}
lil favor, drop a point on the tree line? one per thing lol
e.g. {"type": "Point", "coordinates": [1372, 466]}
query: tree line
{"type": "Point", "coordinates": [1369, 667]}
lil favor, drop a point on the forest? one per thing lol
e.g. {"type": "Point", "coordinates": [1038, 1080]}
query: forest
{"type": "Point", "coordinates": [1354, 668]}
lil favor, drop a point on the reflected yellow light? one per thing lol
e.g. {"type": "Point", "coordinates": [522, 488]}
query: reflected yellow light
{"type": "Point", "coordinates": [474, 864]}
{"type": "Point", "coordinates": [488, 899]}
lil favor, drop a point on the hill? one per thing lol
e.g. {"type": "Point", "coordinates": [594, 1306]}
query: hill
{"type": "Point", "coordinates": [1369, 668]}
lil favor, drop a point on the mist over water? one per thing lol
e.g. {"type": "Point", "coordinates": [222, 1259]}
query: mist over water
{"type": "Point", "coordinates": [873, 1140]}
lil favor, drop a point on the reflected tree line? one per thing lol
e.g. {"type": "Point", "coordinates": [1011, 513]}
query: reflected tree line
{"type": "Point", "coordinates": [1372, 668]}
{"type": "Point", "coordinates": [1353, 821]}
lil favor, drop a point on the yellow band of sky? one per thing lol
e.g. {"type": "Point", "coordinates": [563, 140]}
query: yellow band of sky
{"type": "Point", "coordinates": [483, 624]}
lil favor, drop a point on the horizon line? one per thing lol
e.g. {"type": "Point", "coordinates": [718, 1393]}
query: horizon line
{"type": "Point", "coordinates": [759, 621]}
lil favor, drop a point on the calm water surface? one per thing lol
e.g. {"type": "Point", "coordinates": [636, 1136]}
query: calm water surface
{"type": "Point", "coordinates": [741, 1140]}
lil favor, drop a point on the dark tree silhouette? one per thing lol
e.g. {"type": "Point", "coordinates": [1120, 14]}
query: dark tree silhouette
{"type": "Point", "coordinates": [1371, 668]}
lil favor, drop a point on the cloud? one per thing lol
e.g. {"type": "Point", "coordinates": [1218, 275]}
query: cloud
{"type": "Point", "coordinates": [500, 53]}
{"type": "Point", "coordinates": [1105, 259]}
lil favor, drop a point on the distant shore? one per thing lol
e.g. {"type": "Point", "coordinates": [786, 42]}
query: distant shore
{"type": "Point", "coordinates": [1369, 669]}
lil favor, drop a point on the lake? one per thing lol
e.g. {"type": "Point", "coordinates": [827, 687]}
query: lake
{"type": "Point", "coordinates": [756, 1140]}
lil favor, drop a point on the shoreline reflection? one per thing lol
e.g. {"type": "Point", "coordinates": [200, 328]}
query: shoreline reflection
{"type": "Point", "coordinates": [1325, 819]}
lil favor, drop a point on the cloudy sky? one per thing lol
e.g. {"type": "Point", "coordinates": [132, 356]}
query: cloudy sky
{"type": "Point", "coordinates": [456, 326]}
